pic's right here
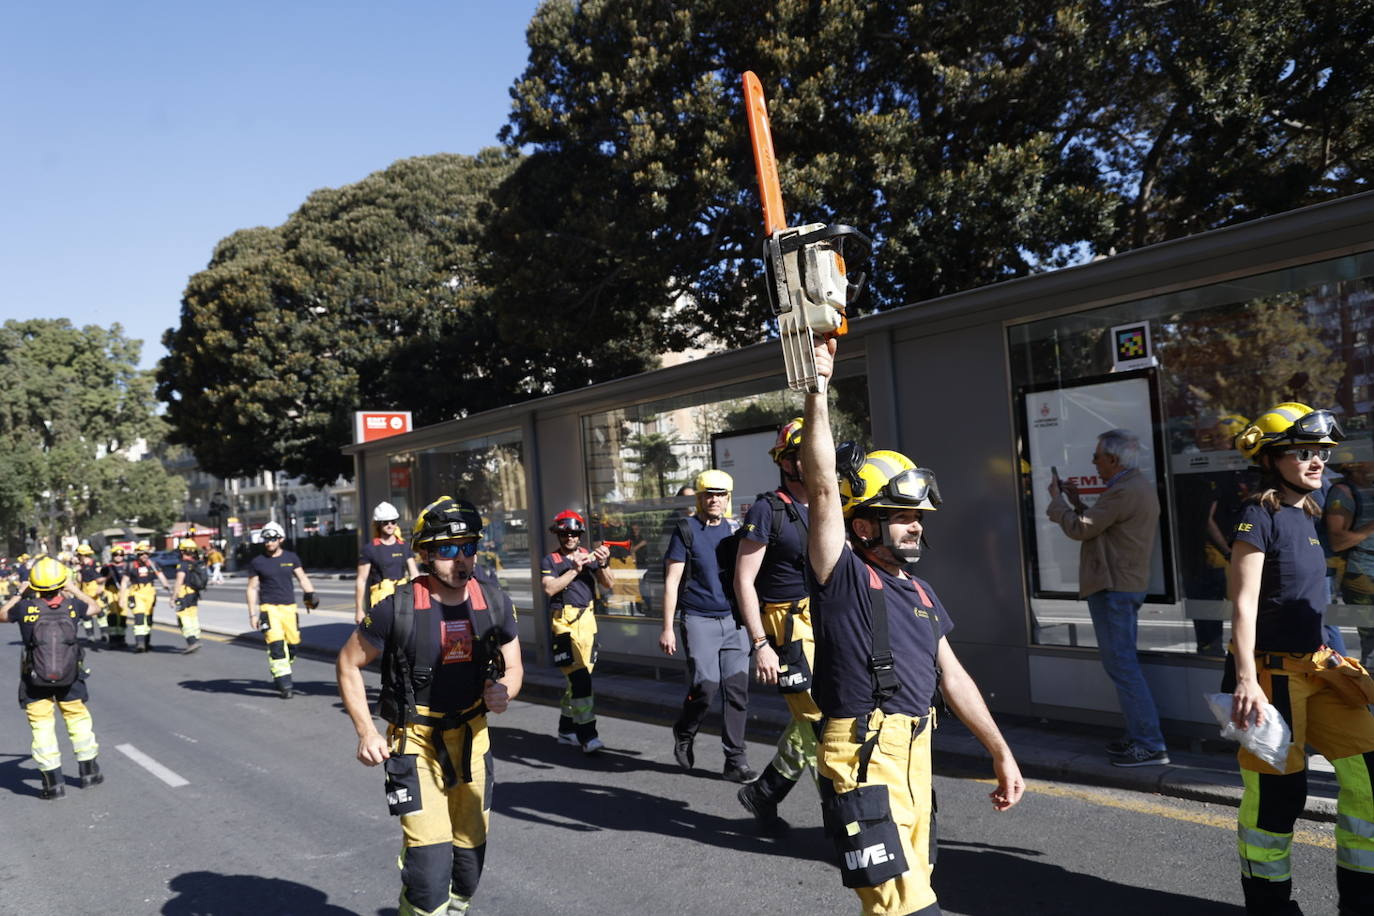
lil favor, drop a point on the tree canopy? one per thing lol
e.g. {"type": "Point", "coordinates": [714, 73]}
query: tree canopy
{"type": "Point", "coordinates": [75, 405]}
{"type": "Point", "coordinates": [366, 298]}
{"type": "Point", "coordinates": [976, 141]}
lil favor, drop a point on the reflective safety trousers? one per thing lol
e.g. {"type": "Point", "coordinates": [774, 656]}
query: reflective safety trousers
{"type": "Point", "coordinates": [900, 761]}
{"type": "Point", "coordinates": [145, 599]}
{"type": "Point", "coordinates": [283, 634]}
{"type": "Point", "coordinates": [1273, 799]}
{"type": "Point", "coordinates": [444, 843]}
{"type": "Point", "coordinates": [574, 630]}
{"type": "Point", "coordinates": [42, 716]}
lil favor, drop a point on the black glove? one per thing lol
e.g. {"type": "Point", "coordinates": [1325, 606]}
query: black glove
{"type": "Point", "coordinates": [311, 602]}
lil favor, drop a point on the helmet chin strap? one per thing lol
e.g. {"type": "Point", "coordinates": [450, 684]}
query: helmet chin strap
{"type": "Point", "coordinates": [906, 556]}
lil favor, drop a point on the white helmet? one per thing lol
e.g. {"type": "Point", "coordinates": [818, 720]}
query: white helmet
{"type": "Point", "coordinates": [385, 512]}
{"type": "Point", "coordinates": [272, 529]}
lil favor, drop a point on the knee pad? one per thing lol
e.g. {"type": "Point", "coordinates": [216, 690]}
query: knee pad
{"type": "Point", "coordinates": [580, 681]}
{"type": "Point", "coordinates": [425, 875]}
{"type": "Point", "coordinates": [1281, 800]}
{"type": "Point", "coordinates": [277, 649]}
{"type": "Point", "coordinates": [467, 869]}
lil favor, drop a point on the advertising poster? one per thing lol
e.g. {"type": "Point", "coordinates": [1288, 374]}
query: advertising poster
{"type": "Point", "coordinates": [1060, 428]}
{"type": "Point", "coordinates": [744, 456]}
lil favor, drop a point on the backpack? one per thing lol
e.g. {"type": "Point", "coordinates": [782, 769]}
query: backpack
{"type": "Point", "coordinates": [196, 577]}
{"type": "Point", "coordinates": [726, 552]}
{"type": "Point", "coordinates": [53, 654]}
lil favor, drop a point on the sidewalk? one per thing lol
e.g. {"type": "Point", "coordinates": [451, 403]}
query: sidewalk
{"type": "Point", "coordinates": [1199, 770]}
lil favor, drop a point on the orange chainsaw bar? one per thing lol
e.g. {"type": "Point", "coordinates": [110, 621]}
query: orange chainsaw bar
{"type": "Point", "coordinates": [765, 163]}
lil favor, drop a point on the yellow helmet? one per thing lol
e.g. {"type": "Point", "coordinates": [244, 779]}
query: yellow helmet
{"type": "Point", "coordinates": [143, 547]}
{"type": "Point", "coordinates": [789, 439]}
{"type": "Point", "coordinates": [48, 575]}
{"type": "Point", "coordinates": [888, 480]}
{"type": "Point", "coordinates": [187, 544]}
{"type": "Point", "coordinates": [713, 481]}
{"type": "Point", "coordinates": [84, 550]}
{"type": "Point", "coordinates": [1231, 425]}
{"type": "Point", "coordinates": [1289, 423]}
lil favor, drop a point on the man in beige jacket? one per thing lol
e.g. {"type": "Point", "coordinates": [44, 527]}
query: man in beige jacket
{"type": "Point", "coordinates": [1117, 535]}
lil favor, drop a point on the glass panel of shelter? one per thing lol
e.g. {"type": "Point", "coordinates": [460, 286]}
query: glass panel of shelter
{"type": "Point", "coordinates": [1225, 353]}
{"type": "Point", "coordinates": [641, 458]}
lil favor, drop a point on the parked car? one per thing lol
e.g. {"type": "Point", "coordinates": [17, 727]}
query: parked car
{"type": "Point", "coordinates": [167, 560]}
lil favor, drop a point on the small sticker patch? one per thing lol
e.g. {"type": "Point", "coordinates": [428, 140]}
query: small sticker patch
{"type": "Point", "coordinates": [457, 641]}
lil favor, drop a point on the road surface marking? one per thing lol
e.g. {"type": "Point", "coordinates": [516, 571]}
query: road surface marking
{"type": "Point", "coordinates": [151, 765]}
{"type": "Point", "coordinates": [1323, 838]}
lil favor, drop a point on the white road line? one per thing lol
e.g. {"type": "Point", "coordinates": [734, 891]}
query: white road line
{"type": "Point", "coordinates": [151, 765]}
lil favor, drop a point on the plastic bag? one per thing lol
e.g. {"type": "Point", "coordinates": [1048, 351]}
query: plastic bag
{"type": "Point", "coordinates": [1268, 741]}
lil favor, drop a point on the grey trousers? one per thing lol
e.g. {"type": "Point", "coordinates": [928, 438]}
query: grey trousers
{"type": "Point", "coordinates": [717, 662]}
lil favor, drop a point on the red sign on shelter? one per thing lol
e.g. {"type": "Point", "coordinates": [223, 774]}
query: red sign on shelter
{"type": "Point", "coordinates": [369, 426]}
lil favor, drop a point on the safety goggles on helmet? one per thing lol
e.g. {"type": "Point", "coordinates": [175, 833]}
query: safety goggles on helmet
{"type": "Point", "coordinates": [450, 549]}
{"type": "Point", "coordinates": [1307, 454]}
{"type": "Point", "coordinates": [1319, 424]}
{"type": "Point", "coordinates": [913, 486]}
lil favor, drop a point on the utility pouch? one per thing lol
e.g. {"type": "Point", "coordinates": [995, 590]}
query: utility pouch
{"type": "Point", "coordinates": [794, 674]}
{"type": "Point", "coordinates": [132, 603]}
{"type": "Point", "coordinates": [867, 845]}
{"type": "Point", "coordinates": [402, 784]}
{"type": "Point", "coordinates": [1349, 679]}
{"type": "Point", "coordinates": [562, 650]}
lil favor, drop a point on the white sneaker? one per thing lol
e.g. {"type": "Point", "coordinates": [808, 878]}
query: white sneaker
{"type": "Point", "coordinates": [568, 738]}
{"type": "Point", "coordinates": [592, 746]}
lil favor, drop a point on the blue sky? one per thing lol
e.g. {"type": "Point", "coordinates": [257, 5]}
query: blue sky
{"type": "Point", "coordinates": [136, 135]}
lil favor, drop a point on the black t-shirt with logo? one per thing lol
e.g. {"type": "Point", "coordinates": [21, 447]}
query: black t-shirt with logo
{"type": "Point", "coordinates": [276, 577]}
{"type": "Point", "coordinates": [458, 663]}
{"type": "Point", "coordinates": [141, 572]}
{"type": "Point", "coordinates": [782, 577]}
{"type": "Point", "coordinates": [388, 561]}
{"type": "Point", "coordinates": [841, 612]}
{"type": "Point", "coordinates": [90, 572]}
{"type": "Point", "coordinates": [580, 590]}
{"type": "Point", "coordinates": [1293, 586]}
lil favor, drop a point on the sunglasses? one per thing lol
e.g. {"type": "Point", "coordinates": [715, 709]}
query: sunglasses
{"type": "Point", "coordinates": [271, 537]}
{"type": "Point", "coordinates": [451, 550]}
{"type": "Point", "coordinates": [1307, 454]}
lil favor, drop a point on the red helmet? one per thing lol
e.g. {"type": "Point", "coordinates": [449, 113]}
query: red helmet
{"type": "Point", "coordinates": [788, 442]}
{"type": "Point", "coordinates": [568, 521]}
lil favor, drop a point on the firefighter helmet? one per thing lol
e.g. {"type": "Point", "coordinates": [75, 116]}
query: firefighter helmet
{"type": "Point", "coordinates": [143, 547]}
{"type": "Point", "coordinates": [789, 440]}
{"type": "Point", "coordinates": [889, 480]}
{"type": "Point", "coordinates": [84, 550]}
{"type": "Point", "coordinates": [1287, 424]}
{"type": "Point", "coordinates": [48, 575]}
{"type": "Point", "coordinates": [385, 512]}
{"type": "Point", "coordinates": [446, 519]}
{"type": "Point", "coordinates": [272, 530]}
{"type": "Point", "coordinates": [568, 522]}
{"type": "Point", "coordinates": [187, 544]}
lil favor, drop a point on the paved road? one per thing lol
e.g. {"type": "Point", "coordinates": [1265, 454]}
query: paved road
{"type": "Point", "coordinates": [275, 816]}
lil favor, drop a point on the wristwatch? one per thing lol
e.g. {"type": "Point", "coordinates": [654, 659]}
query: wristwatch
{"type": "Point", "coordinates": [760, 642]}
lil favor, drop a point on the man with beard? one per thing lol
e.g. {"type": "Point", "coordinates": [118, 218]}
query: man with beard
{"type": "Point", "coordinates": [450, 655]}
{"type": "Point", "coordinates": [881, 652]}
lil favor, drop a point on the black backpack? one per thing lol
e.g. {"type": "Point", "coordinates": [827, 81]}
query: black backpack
{"type": "Point", "coordinates": [195, 577]}
{"type": "Point", "coordinates": [53, 653]}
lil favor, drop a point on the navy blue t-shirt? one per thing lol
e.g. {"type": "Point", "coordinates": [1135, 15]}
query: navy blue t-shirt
{"type": "Point", "coordinates": [276, 577]}
{"type": "Point", "coordinates": [841, 613]}
{"type": "Point", "coordinates": [782, 577]}
{"type": "Point", "coordinates": [1293, 587]}
{"type": "Point", "coordinates": [387, 561]}
{"type": "Point", "coordinates": [704, 594]}
{"type": "Point", "coordinates": [580, 590]}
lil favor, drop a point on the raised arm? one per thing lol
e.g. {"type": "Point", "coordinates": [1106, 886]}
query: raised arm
{"type": "Point", "coordinates": [826, 537]}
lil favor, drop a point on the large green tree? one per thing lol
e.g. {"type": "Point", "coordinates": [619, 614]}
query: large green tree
{"type": "Point", "coordinates": [977, 141]}
{"type": "Point", "coordinates": [366, 298]}
{"type": "Point", "coordinates": [76, 408]}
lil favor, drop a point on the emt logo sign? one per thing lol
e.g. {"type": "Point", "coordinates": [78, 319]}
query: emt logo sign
{"type": "Point", "coordinates": [369, 426]}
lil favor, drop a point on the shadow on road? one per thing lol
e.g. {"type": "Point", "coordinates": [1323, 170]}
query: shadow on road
{"type": "Point", "coordinates": [1024, 885]}
{"type": "Point", "coordinates": [207, 893]}
{"type": "Point", "coordinates": [260, 687]}
{"type": "Point", "coordinates": [543, 752]}
{"type": "Point", "coordinates": [585, 808]}
{"type": "Point", "coordinates": [13, 774]}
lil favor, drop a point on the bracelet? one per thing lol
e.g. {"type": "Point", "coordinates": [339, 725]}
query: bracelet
{"type": "Point", "coordinates": [760, 642]}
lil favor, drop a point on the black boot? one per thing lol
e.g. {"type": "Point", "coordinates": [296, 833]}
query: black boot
{"type": "Point", "coordinates": [192, 644]}
{"type": "Point", "coordinates": [761, 797]}
{"type": "Point", "coordinates": [90, 773]}
{"type": "Point", "coordinates": [284, 686]}
{"type": "Point", "coordinates": [52, 784]}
